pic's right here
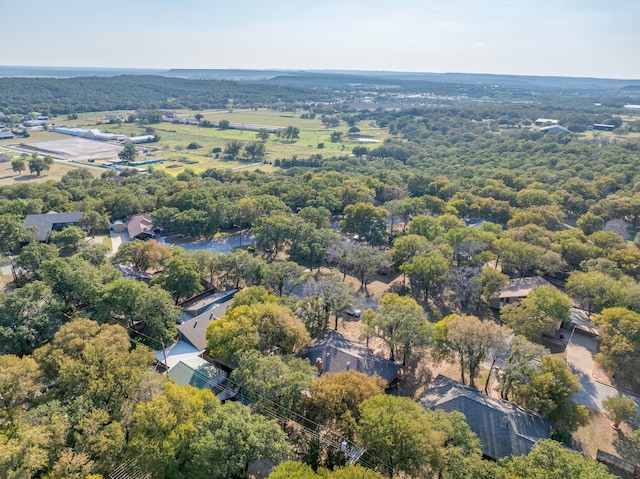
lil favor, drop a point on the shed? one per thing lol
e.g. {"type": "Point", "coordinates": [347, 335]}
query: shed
{"type": "Point", "coordinates": [35, 122]}
{"type": "Point", "coordinates": [545, 121]}
{"type": "Point", "coordinates": [118, 226]}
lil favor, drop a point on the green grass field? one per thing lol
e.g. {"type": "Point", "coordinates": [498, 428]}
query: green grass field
{"type": "Point", "coordinates": [34, 135]}
{"type": "Point", "coordinates": [57, 171]}
{"type": "Point", "coordinates": [174, 138]}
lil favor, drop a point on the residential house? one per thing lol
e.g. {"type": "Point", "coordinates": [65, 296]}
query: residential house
{"type": "Point", "coordinates": [169, 116]}
{"type": "Point", "coordinates": [516, 290]}
{"type": "Point", "coordinates": [140, 227]}
{"type": "Point", "coordinates": [334, 353]}
{"type": "Point", "coordinates": [194, 331]}
{"type": "Point", "coordinates": [52, 221]}
{"type": "Point", "coordinates": [205, 301]}
{"type": "Point", "coordinates": [6, 135]}
{"type": "Point", "coordinates": [504, 429]}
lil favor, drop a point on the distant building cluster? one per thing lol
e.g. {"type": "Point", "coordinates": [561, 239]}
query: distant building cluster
{"type": "Point", "coordinates": [95, 134]}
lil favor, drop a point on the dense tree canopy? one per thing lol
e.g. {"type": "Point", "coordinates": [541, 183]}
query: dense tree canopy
{"type": "Point", "coordinates": [482, 196]}
{"type": "Point", "coordinates": [620, 348]}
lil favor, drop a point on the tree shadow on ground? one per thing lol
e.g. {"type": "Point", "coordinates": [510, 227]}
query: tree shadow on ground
{"type": "Point", "coordinates": [627, 446]}
{"type": "Point", "coordinates": [416, 377]}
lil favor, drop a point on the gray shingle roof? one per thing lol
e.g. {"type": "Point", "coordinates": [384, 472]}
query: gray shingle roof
{"type": "Point", "coordinates": [45, 222]}
{"type": "Point", "coordinates": [339, 353]}
{"type": "Point", "coordinates": [503, 428]}
{"type": "Point", "coordinates": [194, 331]}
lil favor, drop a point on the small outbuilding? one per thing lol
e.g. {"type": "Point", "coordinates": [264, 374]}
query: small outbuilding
{"type": "Point", "coordinates": [118, 226]}
{"type": "Point", "coordinates": [545, 121]}
{"type": "Point", "coordinates": [35, 122]}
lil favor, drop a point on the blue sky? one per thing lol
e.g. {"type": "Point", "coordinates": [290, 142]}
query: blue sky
{"type": "Point", "coordinates": [543, 37]}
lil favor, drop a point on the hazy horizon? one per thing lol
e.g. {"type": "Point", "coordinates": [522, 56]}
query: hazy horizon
{"type": "Point", "coordinates": [158, 70]}
{"type": "Point", "coordinates": [572, 38]}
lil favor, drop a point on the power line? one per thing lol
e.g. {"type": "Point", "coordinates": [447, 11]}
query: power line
{"type": "Point", "coordinates": [358, 450]}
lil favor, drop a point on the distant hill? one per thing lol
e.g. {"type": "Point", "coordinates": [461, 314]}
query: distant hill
{"type": "Point", "coordinates": [341, 76]}
{"type": "Point", "coordinates": [336, 76]}
{"type": "Point", "coordinates": [71, 72]}
{"type": "Point", "coordinates": [60, 90]}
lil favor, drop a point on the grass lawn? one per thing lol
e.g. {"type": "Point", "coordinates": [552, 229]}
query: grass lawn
{"type": "Point", "coordinates": [174, 138]}
{"type": "Point", "coordinates": [599, 434]}
{"type": "Point", "coordinates": [57, 171]}
{"type": "Point", "coordinates": [107, 242]}
{"type": "Point", "coordinates": [34, 135]}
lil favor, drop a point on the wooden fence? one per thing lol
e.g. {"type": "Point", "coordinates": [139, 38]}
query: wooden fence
{"type": "Point", "coordinates": [618, 463]}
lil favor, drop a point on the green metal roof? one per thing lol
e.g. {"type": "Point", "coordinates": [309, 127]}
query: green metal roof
{"type": "Point", "coordinates": [196, 372]}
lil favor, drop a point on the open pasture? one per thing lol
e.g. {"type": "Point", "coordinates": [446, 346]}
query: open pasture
{"type": "Point", "coordinates": [176, 137]}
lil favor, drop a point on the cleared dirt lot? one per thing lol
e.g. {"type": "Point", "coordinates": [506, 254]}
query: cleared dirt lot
{"type": "Point", "coordinates": [73, 149]}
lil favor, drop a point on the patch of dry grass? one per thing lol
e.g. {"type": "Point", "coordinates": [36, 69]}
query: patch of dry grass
{"type": "Point", "coordinates": [57, 171]}
{"type": "Point", "coordinates": [599, 434]}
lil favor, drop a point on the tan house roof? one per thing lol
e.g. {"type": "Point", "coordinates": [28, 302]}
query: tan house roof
{"type": "Point", "coordinates": [139, 224]}
{"type": "Point", "coordinates": [521, 287]}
